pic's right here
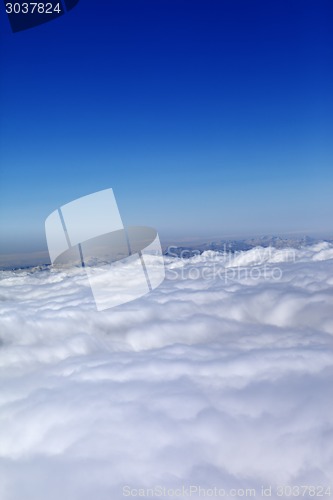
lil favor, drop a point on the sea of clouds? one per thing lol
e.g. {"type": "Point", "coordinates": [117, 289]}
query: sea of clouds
{"type": "Point", "coordinates": [222, 377]}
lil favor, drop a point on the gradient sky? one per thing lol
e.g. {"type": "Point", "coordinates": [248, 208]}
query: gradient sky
{"type": "Point", "coordinates": [207, 118]}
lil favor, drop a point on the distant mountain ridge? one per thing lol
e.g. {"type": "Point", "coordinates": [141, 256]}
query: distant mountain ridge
{"type": "Point", "coordinates": [41, 259]}
{"type": "Point", "coordinates": [237, 245]}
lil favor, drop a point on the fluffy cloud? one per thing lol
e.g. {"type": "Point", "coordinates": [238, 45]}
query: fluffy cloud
{"type": "Point", "coordinates": [220, 377]}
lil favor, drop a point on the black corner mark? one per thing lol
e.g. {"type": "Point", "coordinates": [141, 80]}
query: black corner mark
{"type": "Point", "coordinates": [26, 14]}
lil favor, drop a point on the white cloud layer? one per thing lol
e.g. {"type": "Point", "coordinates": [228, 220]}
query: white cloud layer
{"type": "Point", "coordinates": [221, 377]}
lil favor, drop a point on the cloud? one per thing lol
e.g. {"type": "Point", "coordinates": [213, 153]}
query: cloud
{"type": "Point", "coordinates": [220, 377]}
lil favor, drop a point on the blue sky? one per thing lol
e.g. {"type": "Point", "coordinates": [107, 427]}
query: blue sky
{"type": "Point", "coordinates": [207, 118]}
